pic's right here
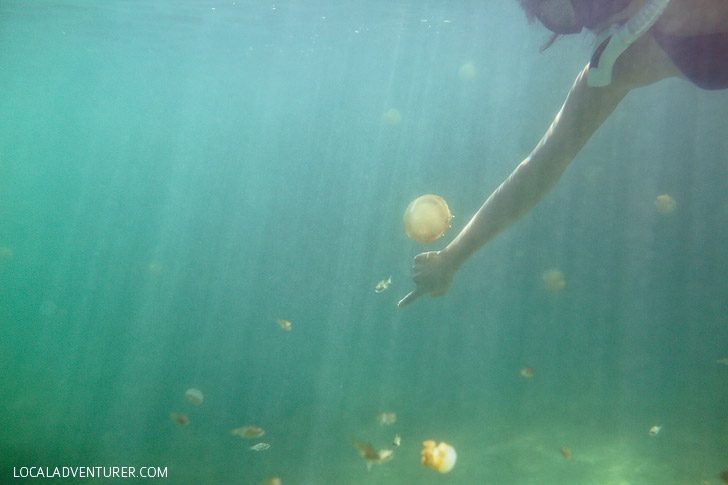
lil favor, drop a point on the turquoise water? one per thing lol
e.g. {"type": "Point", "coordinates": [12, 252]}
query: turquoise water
{"type": "Point", "coordinates": [175, 176]}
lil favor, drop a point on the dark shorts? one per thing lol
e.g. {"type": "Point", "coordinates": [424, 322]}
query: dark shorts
{"type": "Point", "coordinates": [702, 58]}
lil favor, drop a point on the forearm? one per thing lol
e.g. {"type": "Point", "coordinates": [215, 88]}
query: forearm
{"type": "Point", "coordinates": [584, 110]}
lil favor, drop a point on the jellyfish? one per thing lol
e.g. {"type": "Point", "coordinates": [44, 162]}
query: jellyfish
{"type": "Point", "coordinates": [194, 396]}
{"type": "Point", "coordinates": [371, 455]}
{"type": "Point", "coordinates": [566, 452]}
{"type": "Point", "coordinates": [248, 432]}
{"type": "Point", "coordinates": [284, 324]}
{"type": "Point", "coordinates": [386, 418]}
{"type": "Point", "coordinates": [724, 476]}
{"type": "Point", "coordinates": [427, 218]}
{"type": "Point", "coordinates": [527, 372]}
{"type": "Point", "coordinates": [553, 280]}
{"type": "Point", "coordinates": [180, 420]}
{"type": "Point", "coordinates": [665, 204]}
{"type": "Point", "coordinates": [392, 117]}
{"type": "Point", "coordinates": [441, 457]}
{"type": "Point", "coordinates": [467, 71]}
{"type": "Point", "coordinates": [6, 253]}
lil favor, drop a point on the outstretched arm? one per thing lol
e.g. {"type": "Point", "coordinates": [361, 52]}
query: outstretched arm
{"type": "Point", "coordinates": [583, 112]}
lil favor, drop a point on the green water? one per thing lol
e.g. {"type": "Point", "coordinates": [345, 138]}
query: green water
{"type": "Point", "coordinates": [175, 176]}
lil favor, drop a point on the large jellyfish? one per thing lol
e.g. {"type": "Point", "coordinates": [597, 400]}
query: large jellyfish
{"type": "Point", "coordinates": [427, 218]}
{"type": "Point", "coordinates": [441, 457]}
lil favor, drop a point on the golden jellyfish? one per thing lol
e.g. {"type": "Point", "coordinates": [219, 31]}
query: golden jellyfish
{"type": "Point", "coordinates": [386, 418]}
{"type": "Point", "coordinates": [194, 396]}
{"type": "Point", "coordinates": [284, 324]}
{"type": "Point", "coordinates": [427, 218]}
{"type": "Point", "coordinates": [527, 372]}
{"type": "Point", "coordinates": [392, 117]}
{"type": "Point", "coordinates": [371, 455]}
{"type": "Point", "coordinates": [441, 457]}
{"type": "Point", "coordinates": [180, 420]}
{"type": "Point", "coordinates": [566, 452]}
{"type": "Point", "coordinates": [665, 204]}
{"type": "Point", "coordinates": [553, 280]}
{"type": "Point", "coordinates": [248, 432]}
{"type": "Point", "coordinates": [467, 71]}
{"type": "Point", "coordinates": [273, 481]}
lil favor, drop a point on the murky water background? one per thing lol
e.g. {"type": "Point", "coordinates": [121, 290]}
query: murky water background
{"type": "Point", "coordinates": [175, 176]}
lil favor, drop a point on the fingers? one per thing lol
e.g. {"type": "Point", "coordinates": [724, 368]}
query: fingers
{"type": "Point", "coordinates": [410, 297]}
{"type": "Point", "coordinates": [424, 257]}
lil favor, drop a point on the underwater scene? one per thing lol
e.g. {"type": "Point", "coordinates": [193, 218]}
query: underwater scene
{"type": "Point", "coordinates": [203, 244]}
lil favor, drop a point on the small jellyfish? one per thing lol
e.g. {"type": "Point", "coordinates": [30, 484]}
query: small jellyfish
{"type": "Point", "coordinates": [655, 430]}
{"type": "Point", "coordinates": [180, 420]}
{"type": "Point", "coordinates": [566, 452]}
{"type": "Point", "coordinates": [427, 218]}
{"type": "Point", "coordinates": [248, 432]}
{"type": "Point", "coordinates": [665, 204]}
{"type": "Point", "coordinates": [194, 396]}
{"type": "Point", "coordinates": [441, 457]}
{"type": "Point", "coordinates": [527, 372]}
{"type": "Point", "coordinates": [260, 447]}
{"type": "Point", "coordinates": [371, 455]}
{"type": "Point", "coordinates": [467, 71]}
{"type": "Point", "coordinates": [284, 324]}
{"type": "Point", "coordinates": [392, 117]}
{"type": "Point", "coordinates": [273, 481]}
{"type": "Point", "coordinates": [724, 476]}
{"type": "Point", "coordinates": [387, 418]}
{"type": "Point", "coordinates": [553, 280]}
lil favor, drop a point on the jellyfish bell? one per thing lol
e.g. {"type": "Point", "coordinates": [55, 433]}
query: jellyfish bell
{"type": "Point", "coordinates": [566, 452]}
{"type": "Point", "coordinates": [392, 117]}
{"type": "Point", "coordinates": [467, 71]}
{"type": "Point", "coordinates": [665, 204]}
{"type": "Point", "coordinates": [427, 218]}
{"type": "Point", "coordinates": [553, 280]}
{"type": "Point", "coordinates": [194, 396]}
{"type": "Point", "coordinates": [386, 418]}
{"type": "Point", "coordinates": [284, 324]}
{"type": "Point", "coordinates": [248, 432]}
{"type": "Point", "coordinates": [180, 420]}
{"type": "Point", "coordinates": [441, 457]}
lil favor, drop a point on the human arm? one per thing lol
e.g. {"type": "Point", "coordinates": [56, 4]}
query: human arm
{"type": "Point", "coordinates": [583, 112]}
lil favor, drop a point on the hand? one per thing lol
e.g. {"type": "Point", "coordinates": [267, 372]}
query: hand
{"type": "Point", "coordinates": [433, 276]}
